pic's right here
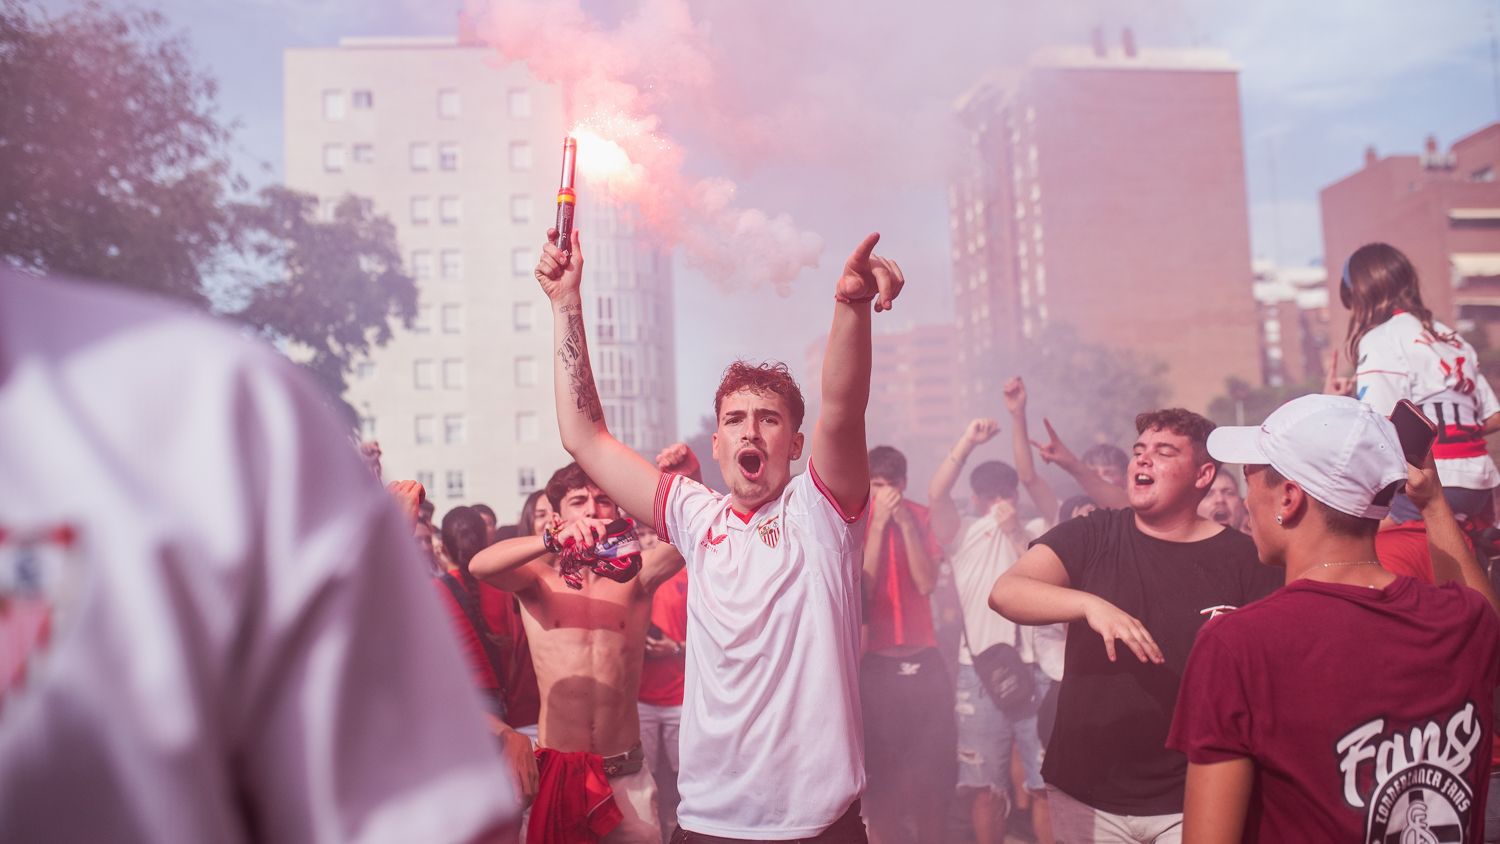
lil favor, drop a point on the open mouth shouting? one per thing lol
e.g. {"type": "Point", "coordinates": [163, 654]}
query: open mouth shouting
{"type": "Point", "coordinates": [1142, 479]}
{"type": "Point", "coordinates": [752, 463]}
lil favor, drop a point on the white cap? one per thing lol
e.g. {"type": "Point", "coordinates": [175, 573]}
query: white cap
{"type": "Point", "coordinates": [1340, 450]}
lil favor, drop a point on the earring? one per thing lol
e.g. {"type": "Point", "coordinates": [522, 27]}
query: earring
{"type": "Point", "coordinates": [1278, 520]}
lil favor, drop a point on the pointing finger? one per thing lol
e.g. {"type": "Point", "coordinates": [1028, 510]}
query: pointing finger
{"type": "Point", "coordinates": [862, 252]}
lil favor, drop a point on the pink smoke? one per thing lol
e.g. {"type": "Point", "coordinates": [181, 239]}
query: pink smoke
{"type": "Point", "coordinates": [611, 90]}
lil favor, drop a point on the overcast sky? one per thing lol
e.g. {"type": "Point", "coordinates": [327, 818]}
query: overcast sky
{"type": "Point", "coordinates": [853, 106]}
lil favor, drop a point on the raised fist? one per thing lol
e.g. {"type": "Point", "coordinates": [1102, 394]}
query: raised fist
{"type": "Point", "coordinates": [1015, 395]}
{"type": "Point", "coordinates": [981, 431]}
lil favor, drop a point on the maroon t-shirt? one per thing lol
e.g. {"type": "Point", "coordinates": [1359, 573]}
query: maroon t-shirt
{"type": "Point", "coordinates": [1366, 711]}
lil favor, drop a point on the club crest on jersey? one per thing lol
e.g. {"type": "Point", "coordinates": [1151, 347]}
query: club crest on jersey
{"type": "Point", "coordinates": [770, 531]}
{"type": "Point", "coordinates": [1419, 793]}
{"type": "Point", "coordinates": [40, 572]}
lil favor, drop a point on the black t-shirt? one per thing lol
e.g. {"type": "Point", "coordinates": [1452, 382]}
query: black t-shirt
{"type": "Point", "coordinates": [1108, 747]}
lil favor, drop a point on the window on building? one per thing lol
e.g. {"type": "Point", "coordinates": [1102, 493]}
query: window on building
{"type": "Point", "coordinates": [526, 372]}
{"type": "Point", "coordinates": [519, 101]}
{"type": "Point", "coordinates": [333, 105]}
{"type": "Point", "coordinates": [453, 318]}
{"type": "Point", "coordinates": [455, 483]}
{"type": "Point", "coordinates": [448, 156]}
{"type": "Point", "coordinates": [421, 210]}
{"type": "Point", "coordinates": [425, 428]}
{"type": "Point", "coordinates": [364, 369]}
{"type": "Point", "coordinates": [453, 264]}
{"type": "Point", "coordinates": [426, 478]}
{"type": "Point", "coordinates": [421, 264]}
{"type": "Point", "coordinates": [525, 480]}
{"type": "Point", "coordinates": [524, 316]}
{"type": "Point", "coordinates": [363, 99]}
{"type": "Point", "coordinates": [520, 155]}
{"type": "Point", "coordinates": [606, 319]}
{"type": "Point", "coordinates": [328, 208]}
{"type": "Point", "coordinates": [364, 153]}
{"type": "Point", "coordinates": [422, 322]}
{"type": "Point", "coordinates": [527, 428]}
{"type": "Point", "coordinates": [421, 156]}
{"type": "Point", "coordinates": [455, 430]}
{"type": "Point", "coordinates": [520, 262]}
{"type": "Point", "coordinates": [450, 105]}
{"type": "Point", "coordinates": [333, 157]}
{"type": "Point", "coordinates": [453, 374]}
{"type": "Point", "coordinates": [520, 208]}
{"type": "Point", "coordinates": [450, 209]}
{"type": "Point", "coordinates": [423, 373]}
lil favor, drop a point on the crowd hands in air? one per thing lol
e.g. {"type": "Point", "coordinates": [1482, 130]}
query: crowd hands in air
{"type": "Point", "coordinates": [1097, 598]}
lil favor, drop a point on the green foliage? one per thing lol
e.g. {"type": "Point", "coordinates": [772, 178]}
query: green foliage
{"type": "Point", "coordinates": [1243, 404]}
{"type": "Point", "coordinates": [1090, 393]}
{"type": "Point", "coordinates": [324, 289]}
{"type": "Point", "coordinates": [114, 166]}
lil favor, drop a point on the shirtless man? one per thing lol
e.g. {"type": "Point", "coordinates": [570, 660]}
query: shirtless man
{"type": "Point", "coordinates": [587, 645]}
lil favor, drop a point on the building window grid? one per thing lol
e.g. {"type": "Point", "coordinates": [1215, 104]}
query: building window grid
{"type": "Point", "coordinates": [453, 374]}
{"type": "Point", "coordinates": [363, 100]}
{"type": "Point", "coordinates": [454, 483]}
{"type": "Point", "coordinates": [455, 429]}
{"type": "Point", "coordinates": [333, 158]}
{"type": "Point", "coordinates": [525, 480]}
{"type": "Point", "coordinates": [450, 210]}
{"type": "Point", "coordinates": [422, 372]}
{"type": "Point", "coordinates": [364, 153]}
{"type": "Point", "coordinates": [423, 429]}
{"type": "Point", "coordinates": [450, 104]}
{"type": "Point", "coordinates": [421, 157]}
{"type": "Point", "coordinates": [333, 104]}
{"type": "Point", "coordinates": [448, 155]}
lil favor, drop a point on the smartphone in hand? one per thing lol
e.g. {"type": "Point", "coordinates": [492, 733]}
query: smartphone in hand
{"type": "Point", "coordinates": [1416, 431]}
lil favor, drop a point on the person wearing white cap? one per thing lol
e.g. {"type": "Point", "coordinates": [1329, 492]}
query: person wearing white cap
{"type": "Point", "coordinates": [1353, 704]}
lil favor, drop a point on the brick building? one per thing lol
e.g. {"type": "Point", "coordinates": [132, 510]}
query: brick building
{"type": "Point", "coordinates": [1440, 208]}
{"type": "Point", "coordinates": [1294, 328]}
{"type": "Point", "coordinates": [1105, 189]}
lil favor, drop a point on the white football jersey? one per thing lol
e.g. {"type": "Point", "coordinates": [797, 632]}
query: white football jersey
{"type": "Point", "coordinates": [772, 745]}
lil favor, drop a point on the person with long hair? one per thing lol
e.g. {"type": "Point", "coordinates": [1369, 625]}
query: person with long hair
{"type": "Point", "coordinates": [1401, 352]}
{"type": "Point", "coordinates": [536, 514]}
{"type": "Point", "coordinates": [465, 534]}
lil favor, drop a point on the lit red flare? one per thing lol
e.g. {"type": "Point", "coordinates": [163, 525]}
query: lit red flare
{"type": "Point", "coordinates": [566, 198]}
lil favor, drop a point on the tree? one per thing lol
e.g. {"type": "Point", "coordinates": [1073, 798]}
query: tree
{"type": "Point", "coordinates": [114, 166]}
{"type": "Point", "coordinates": [1244, 404]}
{"type": "Point", "coordinates": [1090, 393]}
{"type": "Point", "coordinates": [325, 288]}
{"type": "Point", "coordinates": [112, 163]}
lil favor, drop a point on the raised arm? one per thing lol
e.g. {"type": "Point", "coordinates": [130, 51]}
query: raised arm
{"type": "Point", "coordinates": [1453, 558]}
{"type": "Point", "coordinates": [1104, 493]}
{"type": "Point", "coordinates": [1041, 492]}
{"type": "Point", "coordinates": [940, 489]}
{"type": "Point", "coordinates": [629, 478]}
{"type": "Point", "coordinates": [839, 450]}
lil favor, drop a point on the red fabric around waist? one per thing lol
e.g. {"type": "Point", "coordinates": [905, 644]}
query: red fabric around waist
{"type": "Point", "coordinates": [574, 802]}
{"type": "Point", "coordinates": [1457, 442]}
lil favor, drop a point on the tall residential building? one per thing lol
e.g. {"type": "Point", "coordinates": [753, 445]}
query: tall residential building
{"type": "Point", "coordinates": [1294, 338]}
{"type": "Point", "coordinates": [1105, 189]}
{"type": "Point", "coordinates": [462, 154]}
{"type": "Point", "coordinates": [1440, 208]}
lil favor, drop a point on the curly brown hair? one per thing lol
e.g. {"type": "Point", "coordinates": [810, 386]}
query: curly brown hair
{"type": "Point", "coordinates": [771, 378]}
{"type": "Point", "coordinates": [1183, 423]}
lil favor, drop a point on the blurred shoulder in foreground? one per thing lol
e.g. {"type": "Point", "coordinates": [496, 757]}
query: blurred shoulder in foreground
{"type": "Point", "coordinates": [213, 622]}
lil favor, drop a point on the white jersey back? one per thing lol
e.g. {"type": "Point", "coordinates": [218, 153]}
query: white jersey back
{"type": "Point", "coordinates": [772, 743]}
{"type": "Point", "coordinates": [213, 622]}
{"type": "Point", "coordinates": [1399, 359]}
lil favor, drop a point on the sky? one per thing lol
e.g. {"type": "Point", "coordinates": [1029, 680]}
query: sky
{"type": "Point", "coordinates": [834, 119]}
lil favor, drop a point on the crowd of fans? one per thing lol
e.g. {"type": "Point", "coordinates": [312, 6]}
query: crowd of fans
{"type": "Point", "coordinates": [1272, 633]}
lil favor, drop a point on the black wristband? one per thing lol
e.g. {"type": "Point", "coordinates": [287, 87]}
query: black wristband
{"type": "Point", "coordinates": [549, 540]}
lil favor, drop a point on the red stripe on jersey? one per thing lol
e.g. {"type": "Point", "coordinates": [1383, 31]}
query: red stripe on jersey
{"type": "Point", "coordinates": [659, 509]}
{"type": "Point", "coordinates": [818, 482]}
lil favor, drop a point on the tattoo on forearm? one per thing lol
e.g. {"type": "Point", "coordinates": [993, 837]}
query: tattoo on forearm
{"type": "Point", "coordinates": [574, 352]}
